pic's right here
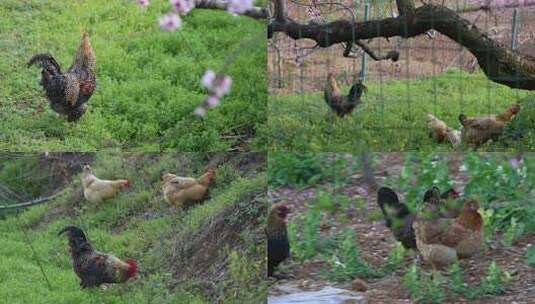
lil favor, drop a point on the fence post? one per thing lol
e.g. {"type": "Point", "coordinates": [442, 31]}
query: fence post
{"type": "Point", "coordinates": [515, 29]}
{"type": "Point", "coordinates": [365, 56]}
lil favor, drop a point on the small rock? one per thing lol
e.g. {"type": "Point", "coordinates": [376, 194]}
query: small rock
{"type": "Point", "coordinates": [305, 284]}
{"type": "Point", "coordinates": [359, 285]}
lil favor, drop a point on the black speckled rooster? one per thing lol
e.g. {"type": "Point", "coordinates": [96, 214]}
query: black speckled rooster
{"type": "Point", "coordinates": [342, 104]}
{"type": "Point", "coordinates": [69, 92]}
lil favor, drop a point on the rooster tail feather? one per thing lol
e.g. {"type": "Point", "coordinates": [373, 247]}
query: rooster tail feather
{"type": "Point", "coordinates": [84, 57]}
{"type": "Point", "coordinates": [356, 91]}
{"type": "Point", "coordinates": [462, 119]}
{"type": "Point", "coordinates": [388, 201]}
{"type": "Point", "coordinates": [45, 60]}
{"type": "Point", "coordinates": [77, 239]}
{"type": "Point", "coordinates": [432, 195]}
{"type": "Point", "coordinates": [74, 231]}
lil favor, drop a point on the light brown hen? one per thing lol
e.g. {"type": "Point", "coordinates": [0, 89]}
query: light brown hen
{"type": "Point", "coordinates": [441, 241]}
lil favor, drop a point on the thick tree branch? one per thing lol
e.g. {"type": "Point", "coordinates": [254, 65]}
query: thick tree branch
{"type": "Point", "coordinates": [255, 12]}
{"type": "Point", "coordinates": [498, 62]}
{"type": "Point", "coordinates": [394, 55]}
{"type": "Point", "coordinates": [405, 6]}
{"type": "Point", "coordinates": [280, 10]}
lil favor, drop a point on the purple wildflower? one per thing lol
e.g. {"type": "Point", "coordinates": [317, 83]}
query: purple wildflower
{"type": "Point", "coordinates": [208, 79]}
{"type": "Point", "coordinates": [183, 6]}
{"type": "Point", "coordinates": [143, 3]}
{"type": "Point", "coordinates": [170, 22]}
{"type": "Point", "coordinates": [239, 6]}
{"type": "Point", "coordinates": [516, 161]}
{"type": "Point", "coordinates": [200, 111]}
{"type": "Point", "coordinates": [212, 101]}
{"type": "Point", "coordinates": [223, 86]}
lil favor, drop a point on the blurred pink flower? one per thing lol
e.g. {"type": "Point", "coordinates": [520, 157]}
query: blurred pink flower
{"type": "Point", "coordinates": [143, 3]}
{"type": "Point", "coordinates": [516, 161]}
{"type": "Point", "coordinates": [200, 111]}
{"type": "Point", "coordinates": [239, 6]}
{"type": "Point", "coordinates": [212, 101]}
{"type": "Point", "coordinates": [183, 6]}
{"type": "Point", "coordinates": [170, 22]}
{"type": "Point", "coordinates": [223, 86]}
{"type": "Point", "coordinates": [217, 86]}
{"type": "Point", "coordinates": [207, 80]}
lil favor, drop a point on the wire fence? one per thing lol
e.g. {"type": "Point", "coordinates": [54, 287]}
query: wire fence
{"type": "Point", "coordinates": [295, 66]}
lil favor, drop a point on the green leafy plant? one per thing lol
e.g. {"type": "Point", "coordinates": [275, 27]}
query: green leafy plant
{"type": "Point", "coordinates": [457, 283]}
{"type": "Point", "coordinates": [395, 259]}
{"type": "Point", "coordinates": [495, 281]}
{"type": "Point", "coordinates": [530, 256]}
{"type": "Point", "coordinates": [422, 288]}
{"type": "Point", "coordinates": [346, 262]}
{"type": "Point", "coordinates": [305, 244]}
{"type": "Point", "coordinates": [294, 169]}
{"type": "Point", "coordinates": [513, 232]}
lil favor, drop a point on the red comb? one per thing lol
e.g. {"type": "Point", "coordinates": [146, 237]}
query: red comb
{"type": "Point", "coordinates": [132, 270]}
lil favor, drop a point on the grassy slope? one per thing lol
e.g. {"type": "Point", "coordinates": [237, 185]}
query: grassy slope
{"type": "Point", "coordinates": [391, 117]}
{"type": "Point", "coordinates": [137, 224]}
{"type": "Point", "coordinates": [148, 79]}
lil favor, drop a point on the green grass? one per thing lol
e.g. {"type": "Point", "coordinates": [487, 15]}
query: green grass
{"type": "Point", "coordinates": [391, 117]}
{"type": "Point", "coordinates": [148, 80]}
{"type": "Point", "coordinates": [139, 225]}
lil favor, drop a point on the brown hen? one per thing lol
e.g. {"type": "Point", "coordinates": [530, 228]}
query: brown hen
{"type": "Point", "coordinates": [182, 192]}
{"type": "Point", "coordinates": [442, 241]}
{"type": "Point", "coordinates": [478, 130]}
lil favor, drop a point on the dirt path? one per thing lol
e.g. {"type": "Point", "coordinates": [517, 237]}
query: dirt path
{"type": "Point", "coordinates": [375, 241]}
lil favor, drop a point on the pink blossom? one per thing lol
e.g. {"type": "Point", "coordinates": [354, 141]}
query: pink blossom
{"type": "Point", "coordinates": [143, 3]}
{"type": "Point", "coordinates": [208, 79]}
{"type": "Point", "coordinates": [183, 6]}
{"type": "Point", "coordinates": [217, 86]}
{"type": "Point", "coordinates": [212, 101]}
{"type": "Point", "coordinates": [200, 111]}
{"type": "Point", "coordinates": [223, 87]}
{"type": "Point", "coordinates": [516, 161]}
{"type": "Point", "coordinates": [239, 6]}
{"type": "Point", "coordinates": [170, 22]}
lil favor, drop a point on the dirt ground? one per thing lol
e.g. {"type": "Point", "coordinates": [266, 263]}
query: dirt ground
{"type": "Point", "coordinates": [375, 241]}
{"type": "Point", "coordinates": [423, 56]}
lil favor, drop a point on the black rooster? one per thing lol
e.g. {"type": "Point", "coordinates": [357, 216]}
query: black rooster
{"type": "Point", "coordinates": [68, 92]}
